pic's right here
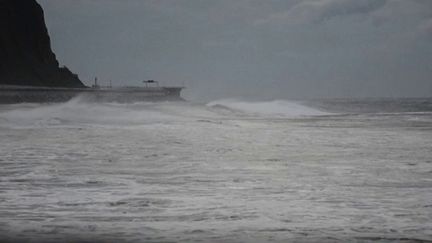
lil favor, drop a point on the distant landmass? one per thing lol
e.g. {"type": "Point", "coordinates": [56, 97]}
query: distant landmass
{"type": "Point", "coordinates": [26, 58]}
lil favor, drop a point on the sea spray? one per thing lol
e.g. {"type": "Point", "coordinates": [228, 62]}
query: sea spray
{"type": "Point", "coordinates": [78, 111]}
{"type": "Point", "coordinates": [280, 108]}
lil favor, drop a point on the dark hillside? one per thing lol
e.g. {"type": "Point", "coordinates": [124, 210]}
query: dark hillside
{"type": "Point", "coordinates": [26, 57]}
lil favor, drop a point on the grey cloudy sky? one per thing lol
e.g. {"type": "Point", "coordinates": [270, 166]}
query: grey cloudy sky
{"type": "Point", "coordinates": [263, 49]}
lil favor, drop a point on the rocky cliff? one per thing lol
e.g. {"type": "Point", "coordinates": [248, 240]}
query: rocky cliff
{"type": "Point", "coordinates": [26, 57]}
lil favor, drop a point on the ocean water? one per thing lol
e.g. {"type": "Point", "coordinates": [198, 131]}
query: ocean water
{"type": "Point", "coordinates": [228, 171]}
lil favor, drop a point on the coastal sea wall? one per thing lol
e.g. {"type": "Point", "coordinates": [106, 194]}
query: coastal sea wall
{"type": "Point", "coordinates": [13, 95]}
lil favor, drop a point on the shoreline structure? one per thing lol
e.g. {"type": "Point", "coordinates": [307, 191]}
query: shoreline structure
{"type": "Point", "coordinates": [12, 94]}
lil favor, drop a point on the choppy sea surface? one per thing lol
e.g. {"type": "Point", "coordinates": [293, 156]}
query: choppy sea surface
{"type": "Point", "coordinates": [228, 171]}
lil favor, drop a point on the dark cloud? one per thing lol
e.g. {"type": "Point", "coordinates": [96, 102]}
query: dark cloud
{"type": "Point", "coordinates": [322, 10]}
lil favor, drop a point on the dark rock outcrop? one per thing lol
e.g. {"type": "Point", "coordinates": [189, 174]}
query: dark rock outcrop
{"type": "Point", "coordinates": [26, 57]}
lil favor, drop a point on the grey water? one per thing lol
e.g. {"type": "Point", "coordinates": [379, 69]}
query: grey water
{"type": "Point", "coordinates": [340, 170]}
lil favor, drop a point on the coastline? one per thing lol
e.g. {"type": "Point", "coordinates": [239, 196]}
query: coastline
{"type": "Point", "coordinates": [11, 94]}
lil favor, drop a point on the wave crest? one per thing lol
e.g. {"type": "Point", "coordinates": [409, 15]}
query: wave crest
{"type": "Point", "coordinates": [280, 108]}
{"type": "Point", "coordinates": [78, 111]}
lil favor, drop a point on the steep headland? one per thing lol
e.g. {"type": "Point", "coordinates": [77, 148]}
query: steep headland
{"type": "Point", "coordinates": [26, 57]}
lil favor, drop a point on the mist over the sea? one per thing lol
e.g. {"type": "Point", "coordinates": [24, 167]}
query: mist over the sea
{"type": "Point", "coordinates": [261, 50]}
{"type": "Point", "coordinates": [287, 121]}
{"type": "Point", "coordinates": [226, 171]}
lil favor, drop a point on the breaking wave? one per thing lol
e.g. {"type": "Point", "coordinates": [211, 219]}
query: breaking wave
{"type": "Point", "coordinates": [280, 108]}
{"type": "Point", "coordinates": [79, 111]}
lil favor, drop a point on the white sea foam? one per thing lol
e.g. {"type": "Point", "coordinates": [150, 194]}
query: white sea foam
{"type": "Point", "coordinates": [183, 172]}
